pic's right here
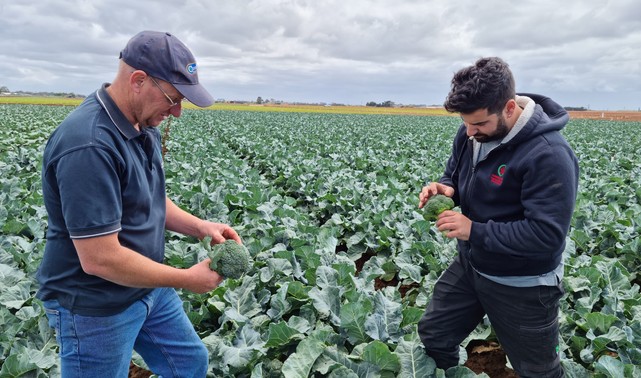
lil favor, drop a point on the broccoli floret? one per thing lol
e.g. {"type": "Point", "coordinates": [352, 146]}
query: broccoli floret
{"type": "Point", "coordinates": [436, 205]}
{"type": "Point", "coordinates": [230, 259]}
{"type": "Point", "coordinates": [273, 368]}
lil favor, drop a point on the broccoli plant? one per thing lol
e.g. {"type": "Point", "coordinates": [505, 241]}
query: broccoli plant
{"type": "Point", "coordinates": [229, 259]}
{"type": "Point", "coordinates": [436, 205]}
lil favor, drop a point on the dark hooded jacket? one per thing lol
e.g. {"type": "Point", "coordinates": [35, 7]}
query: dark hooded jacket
{"type": "Point", "coordinates": [520, 197]}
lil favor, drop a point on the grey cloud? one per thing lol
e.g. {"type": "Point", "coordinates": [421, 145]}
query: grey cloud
{"type": "Point", "coordinates": [335, 51]}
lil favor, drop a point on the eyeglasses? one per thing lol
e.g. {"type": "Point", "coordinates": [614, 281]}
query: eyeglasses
{"type": "Point", "coordinates": [172, 103]}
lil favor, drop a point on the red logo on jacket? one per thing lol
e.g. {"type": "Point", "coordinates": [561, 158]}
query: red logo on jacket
{"type": "Point", "coordinates": [497, 178]}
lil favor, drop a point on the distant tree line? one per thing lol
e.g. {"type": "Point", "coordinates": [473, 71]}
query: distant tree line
{"type": "Point", "coordinates": [575, 108]}
{"type": "Point", "coordinates": [5, 91]}
{"type": "Point", "coordinates": [385, 104]}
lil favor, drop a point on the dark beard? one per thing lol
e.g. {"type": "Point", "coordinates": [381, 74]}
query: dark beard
{"type": "Point", "coordinates": [501, 131]}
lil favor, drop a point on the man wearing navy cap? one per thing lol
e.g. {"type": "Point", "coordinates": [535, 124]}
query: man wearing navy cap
{"type": "Point", "coordinates": [102, 278]}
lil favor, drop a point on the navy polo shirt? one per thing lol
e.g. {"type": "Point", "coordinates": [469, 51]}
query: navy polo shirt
{"type": "Point", "coordinates": [99, 176]}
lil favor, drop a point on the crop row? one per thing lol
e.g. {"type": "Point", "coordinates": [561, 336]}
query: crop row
{"type": "Point", "coordinates": [344, 262]}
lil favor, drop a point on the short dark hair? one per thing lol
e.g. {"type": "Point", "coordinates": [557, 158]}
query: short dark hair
{"type": "Point", "coordinates": [488, 84]}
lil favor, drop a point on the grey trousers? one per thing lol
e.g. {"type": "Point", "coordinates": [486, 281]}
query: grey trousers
{"type": "Point", "coordinates": [525, 320]}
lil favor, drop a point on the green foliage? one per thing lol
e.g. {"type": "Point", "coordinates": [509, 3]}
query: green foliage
{"type": "Point", "coordinates": [436, 205]}
{"type": "Point", "coordinates": [27, 344]}
{"type": "Point", "coordinates": [344, 261]}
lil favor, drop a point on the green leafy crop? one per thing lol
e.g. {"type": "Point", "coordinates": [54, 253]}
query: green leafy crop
{"type": "Point", "coordinates": [436, 205]}
{"type": "Point", "coordinates": [339, 183]}
{"type": "Point", "coordinates": [230, 259]}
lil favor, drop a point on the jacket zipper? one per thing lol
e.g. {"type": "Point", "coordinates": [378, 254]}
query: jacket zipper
{"type": "Point", "coordinates": [468, 196]}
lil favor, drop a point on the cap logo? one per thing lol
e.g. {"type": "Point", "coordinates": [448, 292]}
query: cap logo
{"type": "Point", "coordinates": [191, 68]}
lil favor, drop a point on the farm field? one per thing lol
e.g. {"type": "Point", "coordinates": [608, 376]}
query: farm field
{"type": "Point", "coordinates": [344, 262]}
{"type": "Point", "coordinates": [604, 115]}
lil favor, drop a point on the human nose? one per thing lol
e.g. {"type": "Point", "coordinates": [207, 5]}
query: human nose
{"type": "Point", "coordinates": [176, 110]}
{"type": "Point", "coordinates": [471, 130]}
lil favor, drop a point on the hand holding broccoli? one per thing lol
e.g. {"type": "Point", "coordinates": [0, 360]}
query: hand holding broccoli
{"type": "Point", "coordinates": [436, 205]}
{"type": "Point", "coordinates": [229, 259]}
{"type": "Point", "coordinates": [432, 189]}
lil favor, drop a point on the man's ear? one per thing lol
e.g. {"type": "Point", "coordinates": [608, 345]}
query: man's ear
{"type": "Point", "coordinates": [509, 108]}
{"type": "Point", "coordinates": [137, 80]}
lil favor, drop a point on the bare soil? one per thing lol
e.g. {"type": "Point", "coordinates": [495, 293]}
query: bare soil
{"type": "Point", "coordinates": [605, 115]}
{"type": "Point", "coordinates": [488, 357]}
{"type": "Point", "coordinates": [138, 372]}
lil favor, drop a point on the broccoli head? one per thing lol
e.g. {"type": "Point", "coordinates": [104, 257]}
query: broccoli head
{"type": "Point", "coordinates": [229, 259]}
{"type": "Point", "coordinates": [436, 205]}
{"type": "Point", "coordinates": [272, 368]}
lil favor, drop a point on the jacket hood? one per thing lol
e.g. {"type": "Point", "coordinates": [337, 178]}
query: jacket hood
{"type": "Point", "coordinates": [547, 116]}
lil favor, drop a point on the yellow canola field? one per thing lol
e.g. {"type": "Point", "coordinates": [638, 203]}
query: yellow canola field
{"type": "Point", "coordinates": [294, 108]}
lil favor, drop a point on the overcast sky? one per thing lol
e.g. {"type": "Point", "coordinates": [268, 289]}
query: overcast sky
{"type": "Point", "coordinates": [577, 52]}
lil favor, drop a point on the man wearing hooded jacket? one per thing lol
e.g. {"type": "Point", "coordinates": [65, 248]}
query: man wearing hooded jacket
{"type": "Point", "coordinates": [515, 179]}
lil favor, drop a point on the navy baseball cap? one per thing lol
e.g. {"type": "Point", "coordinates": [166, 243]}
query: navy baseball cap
{"type": "Point", "coordinates": [163, 56]}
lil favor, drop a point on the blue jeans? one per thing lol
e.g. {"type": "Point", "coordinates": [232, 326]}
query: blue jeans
{"type": "Point", "coordinates": [155, 326]}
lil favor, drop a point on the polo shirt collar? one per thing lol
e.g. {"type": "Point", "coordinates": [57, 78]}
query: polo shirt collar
{"type": "Point", "coordinates": [119, 120]}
